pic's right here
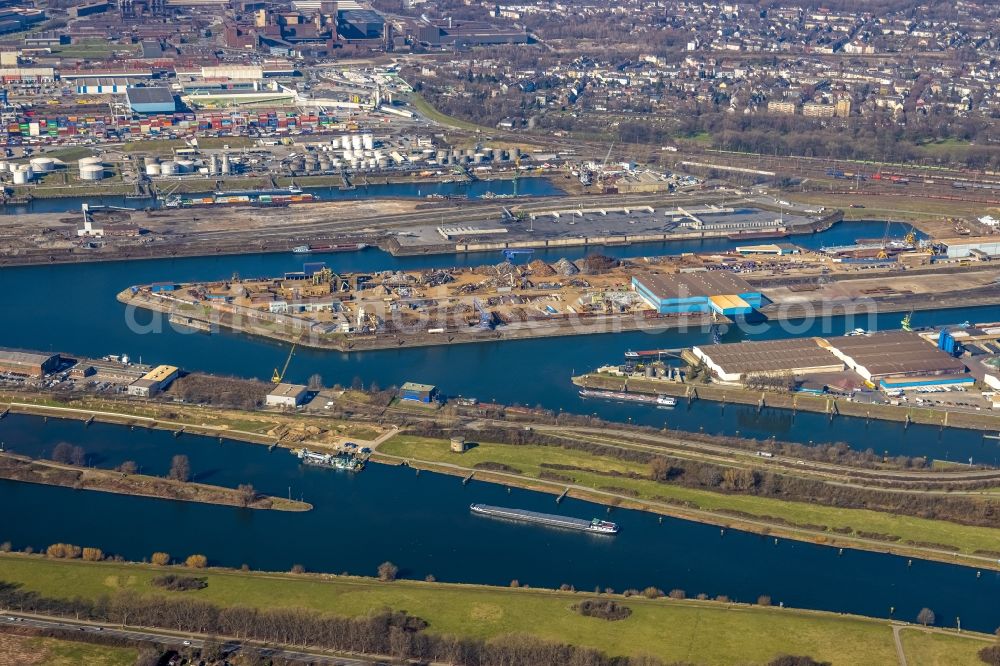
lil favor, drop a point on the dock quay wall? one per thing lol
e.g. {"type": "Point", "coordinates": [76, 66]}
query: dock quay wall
{"type": "Point", "coordinates": [794, 401]}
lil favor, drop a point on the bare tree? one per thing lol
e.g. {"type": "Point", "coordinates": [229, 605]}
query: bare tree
{"type": "Point", "coordinates": [128, 467]}
{"type": "Point", "coordinates": [387, 571]}
{"type": "Point", "coordinates": [925, 616]}
{"type": "Point", "coordinates": [247, 494]}
{"type": "Point", "coordinates": [180, 468]}
{"type": "Point", "coordinates": [315, 382]}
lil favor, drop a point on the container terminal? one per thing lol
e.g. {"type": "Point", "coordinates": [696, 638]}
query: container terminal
{"type": "Point", "coordinates": [595, 526]}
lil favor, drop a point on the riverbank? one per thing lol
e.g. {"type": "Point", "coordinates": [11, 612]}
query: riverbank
{"type": "Point", "coordinates": [602, 480]}
{"type": "Point", "coordinates": [25, 470]}
{"type": "Point", "coordinates": [830, 405]}
{"type": "Point", "coordinates": [716, 632]}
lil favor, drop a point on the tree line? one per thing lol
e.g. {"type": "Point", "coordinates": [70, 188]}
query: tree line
{"type": "Point", "coordinates": [386, 633]}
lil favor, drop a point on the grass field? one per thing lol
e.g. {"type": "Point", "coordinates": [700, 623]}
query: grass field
{"type": "Point", "coordinates": [690, 631]}
{"type": "Point", "coordinates": [892, 207]}
{"type": "Point", "coordinates": [923, 648]}
{"type": "Point", "coordinates": [425, 109]}
{"type": "Point", "coordinates": [30, 650]}
{"type": "Point", "coordinates": [528, 460]}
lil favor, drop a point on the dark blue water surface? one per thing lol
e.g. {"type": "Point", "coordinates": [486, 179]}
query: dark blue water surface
{"type": "Point", "coordinates": [422, 523]}
{"type": "Point", "coordinates": [73, 310]}
{"type": "Point", "coordinates": [475, 190]}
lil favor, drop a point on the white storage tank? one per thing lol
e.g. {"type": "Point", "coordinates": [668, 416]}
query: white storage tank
{"type": "Point", "coordinates": [368, 141]}
{"type": "Point", "coordinates": [348, 154]}
{"type": "Point", "coordinates": [43, 164]}
{"type": "Point", "coordinates": [356, 142]}
{"type": "Point", "coordinates": [185, 166]}
{"type": "Point", "coordinates": [23, 174]}
{"type": "Point", "coordinates": [345, 141]}
{"type": "Point", "coordinates": [92, 172]}
{"type": "Point", "coordinates": [168, 168]}
{"type": "Point", "coordinates": [4, 167]}
{"type": "Point", "coordinates": [152, 168]}
{"type": "Point", "coordinates": [93, 160]}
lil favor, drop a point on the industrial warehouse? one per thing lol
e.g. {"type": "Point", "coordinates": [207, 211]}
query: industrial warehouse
{"type": "Point", "coordinates": [715, 292]}
{"type": "Point", "coordinates": [892, 360]}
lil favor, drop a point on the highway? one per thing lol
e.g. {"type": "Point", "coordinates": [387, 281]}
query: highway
{"type": "Point", "coordinates": [174, 640]}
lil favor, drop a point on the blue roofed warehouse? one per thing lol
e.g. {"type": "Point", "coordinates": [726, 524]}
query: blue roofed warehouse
{"type": "Point", "coordinates": [721, 292]}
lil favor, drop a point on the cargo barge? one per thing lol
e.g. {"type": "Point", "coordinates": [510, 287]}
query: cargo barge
{"type": "Point", "coordinates": [343, 461]}
{"type": "Point", "coordinates": [595, 525]}
{"type": "Point", "coordinates": [339, 247]}
{"type": "Point", "coordinates": [256, 200]}
{"type": "Point", "coordinates": [661, 400]}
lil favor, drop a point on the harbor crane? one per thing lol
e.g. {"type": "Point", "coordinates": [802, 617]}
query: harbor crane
{"type": "Point", "coordinates": [485, 316]}
{"type": "Point", "coordinates": [277, 377]}
{"type": "Point", "coordinates": [510, 254]}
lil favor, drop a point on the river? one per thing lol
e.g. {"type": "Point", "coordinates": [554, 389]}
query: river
{"type": "Point", "coordinates": [421, 522]}
{"type": "Point", "coordinates": [474, 190]}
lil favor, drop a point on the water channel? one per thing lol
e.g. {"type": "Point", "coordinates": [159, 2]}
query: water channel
{"type": "Point", "coordinates": [71, 308]}
{"type": "Point", "coordinates": [422, 523]}
{"type": "Point", "coordinates": [473, 190]}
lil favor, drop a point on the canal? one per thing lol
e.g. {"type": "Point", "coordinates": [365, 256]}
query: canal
{"type": "Point", "coordinates": [71, 308]}
{"type": "Point", "coordinates": [421, 522]}
{"type": "Point", "coordinates": [474, 190]}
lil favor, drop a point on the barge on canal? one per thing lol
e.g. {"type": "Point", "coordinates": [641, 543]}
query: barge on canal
{"type": "Point", "coordinates": [595, 525]}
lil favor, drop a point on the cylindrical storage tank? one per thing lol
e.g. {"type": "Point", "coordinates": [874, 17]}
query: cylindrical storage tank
{"type": "Point", "coordinates": [43, 164]}
{"type": "Point", "coordinates": [23, 174]}
{"type": "Point", "coordinates": [650, 371]}
{"type": "Point", "coordinates": [455, 152]}
{"type": "Point", "coordinates": [356, 142]}
{"type": "Point", "coordinates": [227, 167]}
{"type": "Point", "coordinates": [185, 166]}
{"type": "Point", "coordinates": [153, 169]}
{"type": "Point", "coordinates": [92, 172]}
{"type": "Point", "coordinates": [478, 158]}
{"type": "Point", "coordinates": [345, 141]}
{"type": "Point", "coordinates": [93, 160]}
{"type": "Point", "coordinates": [469, 152]}
{"type": "Point", "coordinates": [4, 167]}
{"type": "Point", "coordinates": [348, 154]}
{"type": "Point", "coordinates": [441, 154]}
{"type": "Point", "coordinates": [168, 168]}
{"type": "Point", "coordinates": [213, 164]}
{"type": "Point", "coordinates": [368, 141]}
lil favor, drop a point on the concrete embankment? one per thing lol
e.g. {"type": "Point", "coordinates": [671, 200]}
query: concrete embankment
{"type": "Point", "coordinates": [794, 401]}
{"type": "Point", "coordinates": [21, 468]}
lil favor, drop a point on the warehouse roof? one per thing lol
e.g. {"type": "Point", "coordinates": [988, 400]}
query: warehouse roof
{"type": "Point", "coordinates": [286, 390]}
{"type": "Point", "coordinates": [691, 285]}
{"type": "Point", "coordinates": [771, 356]}
{"type": "Point", "coordinates": [24, 358]}
{"type": "Point", "coordinates": [413, 386]}
{"type": "Point", "coordinates": [150, 95]}
{"type": "Point", "coordinates": [895, 353]}
{"type": "Point", "coordinates": [160, 373]}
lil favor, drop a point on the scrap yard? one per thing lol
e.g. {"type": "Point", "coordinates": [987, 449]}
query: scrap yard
{"type": "Point", "coordinates": [318, 306]}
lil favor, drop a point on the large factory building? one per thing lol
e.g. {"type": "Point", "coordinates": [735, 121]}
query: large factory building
{"type": "Point", "coordinates": [734, 362]}
{"type": "Point", "coordinates": [28, 364]}
{"type": "Point", "coordinates": [704, 291]}
{"type": "Point", "coordinates": [898, 359]}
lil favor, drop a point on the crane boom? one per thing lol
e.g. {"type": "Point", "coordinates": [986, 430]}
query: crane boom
{"type": "Point", "coordinates": [278, 377]}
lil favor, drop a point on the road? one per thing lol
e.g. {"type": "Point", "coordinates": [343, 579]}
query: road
{"type": "Point", "coordinates": [175, 640]}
